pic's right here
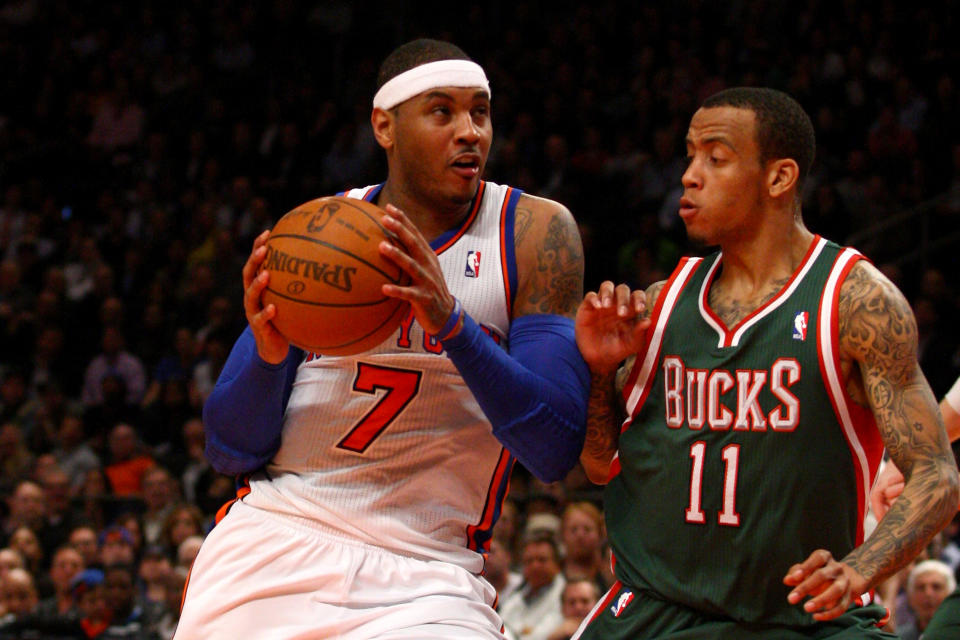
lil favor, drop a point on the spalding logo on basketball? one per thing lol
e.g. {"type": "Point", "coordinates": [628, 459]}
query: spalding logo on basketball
{"type": "Point", "coordinates": [326, 274]}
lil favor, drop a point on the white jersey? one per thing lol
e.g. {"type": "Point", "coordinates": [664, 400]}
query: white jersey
{"type": "Point", "coordinates": [389, 447]}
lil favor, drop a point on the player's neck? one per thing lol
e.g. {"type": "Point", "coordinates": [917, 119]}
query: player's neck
{"type": "Point", "coordinates": [765, 254]}
{"type": "Point", "coordinates": [431, 218]}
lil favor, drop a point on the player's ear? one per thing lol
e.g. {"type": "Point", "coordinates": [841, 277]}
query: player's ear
{"type": "Point", "coordinates": [382, 122]}
{"type": "Point", "coordinates": [782, 176]}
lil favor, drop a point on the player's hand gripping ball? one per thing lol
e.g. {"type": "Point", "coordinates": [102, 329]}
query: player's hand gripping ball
{"type": "Point", "coordinates": [326, 274]}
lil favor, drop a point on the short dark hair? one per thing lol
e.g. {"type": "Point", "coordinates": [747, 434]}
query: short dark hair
{"type": "Point", "coordinates": [415, 53]}
{"type": "Point", "coordinates": [784, 129]}
{"type": "Point", "coordinates": [543, 536]}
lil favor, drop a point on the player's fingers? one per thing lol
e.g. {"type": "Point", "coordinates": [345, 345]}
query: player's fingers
{"type": "Point", "coordinates": [251, 297]}
{"type": "Point", "coordinates": [832, 602]}
{"type": "Point", "coordinates": [799, 572]}
{"type": "Point", "coordinates": [836, 610]}
{"type": "Point", "coordinates": [402, 259]}
{"type": "Point", "coordinates": [261, 320]}
{"type": "Point", "coordinates": [591, 300]}
{"type": "Point", "coordinates": [638, 300]}
{"type": "Point", "coordinates": [605, 293]}
{"type": "Point", "coordinates": [254, 260]}
{"type": "Point", "coordinates": [408, 234]}
{"type": "Point", "coordinates": [621, 295]}
{"type": "Point", "coordinates": [817, 582]}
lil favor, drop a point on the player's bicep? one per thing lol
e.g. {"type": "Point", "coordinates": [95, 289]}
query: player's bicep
{"type": "Point", "coordinates": [549, 258]}
{"type": "Point", "coordinates": [879, 332]}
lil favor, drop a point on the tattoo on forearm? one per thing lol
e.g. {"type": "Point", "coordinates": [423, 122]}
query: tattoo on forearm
{"type": "Point", "coordinates": [878, 330]}
{"type": "Point", "coordinates": [559, 269]}
{"type": "Point", "coordinates": [603, 420]}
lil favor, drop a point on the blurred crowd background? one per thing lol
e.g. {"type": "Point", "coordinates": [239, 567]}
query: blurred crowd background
{"type": "Point", "coordinates": [144, 145]}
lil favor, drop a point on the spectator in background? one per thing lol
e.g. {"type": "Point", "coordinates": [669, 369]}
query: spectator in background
{"type": "Point", "coordinates": [83, 538]}
{"type": "Point", "coordinates": [533, 611]}
{"type": "Point", "coordinates": [174, 583]}
{"type": "Point", "coordinates": [15, 459]}
{"type": "Point", "coordinates": [58, 513]}
{"type": "Point", "coordinates": [113, 360]}
{"type": "Point", "coordinates": [577, 600]}
{"type": "Point", "coordinates": [498, 569]}
{"type": "Point", "coordinates": [18, 593]}
{"type": "Point", "coordinates": [27, 506]}
{"type": "Point", "coordinates": [182, 521]}
{"type": "Point", "coordinates": [127, 462]}
{"type": "Point", "coordinates": [928, 584]}
{"type": "Point", "coordinates": [91, 602]}
{"type": "Point", "coordinates": [582, 536]}
{"type": "Point", "coordinates": [188, 550]}
{"type": "Point", "coordinates": [127, 618]}
{"type": "Point", "coordinates": [25, 541]}
{"type": "Point", "coordinates": [67, 563]}
{"type": "Point", "coordinates": [72, 453]}
{"type": "Point", "coordinates": [116, 546]}
{"type": "Point", "coordinates": [154, 569]}
{"type": "Point", "coordinates": [93, 502]}
{"type": "Point", "coordinates": [10, 559]}
{"type": "Point", "coordinates": [159, 497]}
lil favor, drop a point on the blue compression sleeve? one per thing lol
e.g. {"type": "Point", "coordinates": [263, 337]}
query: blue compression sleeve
{"type": "Point", "coordinates": [243, 415]}
{"type": "Point", "coordinates": [536, 396]}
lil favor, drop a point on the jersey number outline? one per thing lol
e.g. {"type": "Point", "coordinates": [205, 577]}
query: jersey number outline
{"type": "Point", "coordinates": [728, 516]}
{"type": "Point", "coordinates": [401, 386]}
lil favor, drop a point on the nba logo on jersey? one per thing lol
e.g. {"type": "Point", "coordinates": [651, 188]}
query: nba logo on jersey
{"type": "Point", "coordinates": [473, 264]}
{"type": "Point", "coordinates": [800, 325]}
{"type": "Point", "coordinates": [622, 603]}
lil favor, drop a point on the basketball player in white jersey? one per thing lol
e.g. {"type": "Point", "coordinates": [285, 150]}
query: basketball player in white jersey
{"type": "Point", "coordinates": [375, 480]}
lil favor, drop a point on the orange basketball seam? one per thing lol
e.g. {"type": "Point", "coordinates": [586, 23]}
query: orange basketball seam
{"type": "Point", "coordinates": [363, 337]}
{"type": "Point", "coordinates": [329, 304]}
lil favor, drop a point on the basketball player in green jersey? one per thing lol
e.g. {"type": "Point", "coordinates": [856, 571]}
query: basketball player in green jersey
{"type": "Point", "coordinates": [760, 390]}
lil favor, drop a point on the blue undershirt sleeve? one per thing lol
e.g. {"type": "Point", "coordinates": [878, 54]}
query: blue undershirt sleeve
{"type": "Point", "coordinates": [243, 415]}
{"type": "Point", "coordinates": [536, 396]}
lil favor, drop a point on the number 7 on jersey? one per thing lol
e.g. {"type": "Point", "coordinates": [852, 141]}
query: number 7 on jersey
{"type": "Point", "coordinates": [401, 386]}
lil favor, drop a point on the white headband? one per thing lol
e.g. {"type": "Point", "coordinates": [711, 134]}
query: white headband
{"type": "Point", "coordinates": [432, 75]}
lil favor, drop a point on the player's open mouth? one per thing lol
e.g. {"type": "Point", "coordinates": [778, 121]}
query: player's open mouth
{"type": "Point", "coordinates": [467, 165]}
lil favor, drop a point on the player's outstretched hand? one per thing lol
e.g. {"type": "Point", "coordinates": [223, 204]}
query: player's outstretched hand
{"type": "Point", "coordinates": [427, 293]}
{"type": "Point", "coordinates": [611, 324]}
{"type": "Point", "coordinates": [271, 345]}
{"type": "Point", "coordinates": [886, 489]}
{"type": "Point", "coordinates": [832, 584]}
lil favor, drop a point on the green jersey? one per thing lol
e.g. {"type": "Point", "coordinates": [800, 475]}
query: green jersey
{"type": "Point", "coordinates": [743, 452]}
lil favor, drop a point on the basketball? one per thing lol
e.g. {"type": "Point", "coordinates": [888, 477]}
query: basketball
{"type": "Point", "coordinates": [325, 277]}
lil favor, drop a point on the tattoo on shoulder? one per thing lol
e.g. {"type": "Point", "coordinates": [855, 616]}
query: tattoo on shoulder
{"type": "Point", "coordinates": [876, 324]}
{"type": "Point", "coordinates": [559, 268]}
{"type": "Point", "coordinates": [521, 224]}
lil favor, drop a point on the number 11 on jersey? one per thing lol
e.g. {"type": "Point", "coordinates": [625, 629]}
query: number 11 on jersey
{"type": "Point", "coordinates": [728, 515]}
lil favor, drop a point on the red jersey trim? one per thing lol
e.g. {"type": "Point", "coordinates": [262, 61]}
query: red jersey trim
{"type": "Point", "coordinates": [731, 337]}
{"type": "Point", "coordinates": [858, 423]}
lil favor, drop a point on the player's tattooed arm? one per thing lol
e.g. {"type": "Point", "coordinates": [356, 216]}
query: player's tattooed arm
{"type": "Point", "coordinates": [606, 411]}
{"type": "Point", "coordinates": [878, 332]}
{"type": "Point", "coordinates": [549, 258]}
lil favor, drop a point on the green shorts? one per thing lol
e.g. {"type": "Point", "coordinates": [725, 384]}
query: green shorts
{"type": "Point", "coordinates": [945, 624]}
{"type": "Point", "coordinates": [628, 614]}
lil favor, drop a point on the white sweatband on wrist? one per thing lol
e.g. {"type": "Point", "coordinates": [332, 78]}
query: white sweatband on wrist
{"type": "Point", "coordinates": [432, 75]}
{"type": "Point", "coordinates": [953, 396]}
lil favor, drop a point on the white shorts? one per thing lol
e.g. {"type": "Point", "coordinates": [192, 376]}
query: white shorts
{"type": "Point", "coordinates": [259, 575]}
